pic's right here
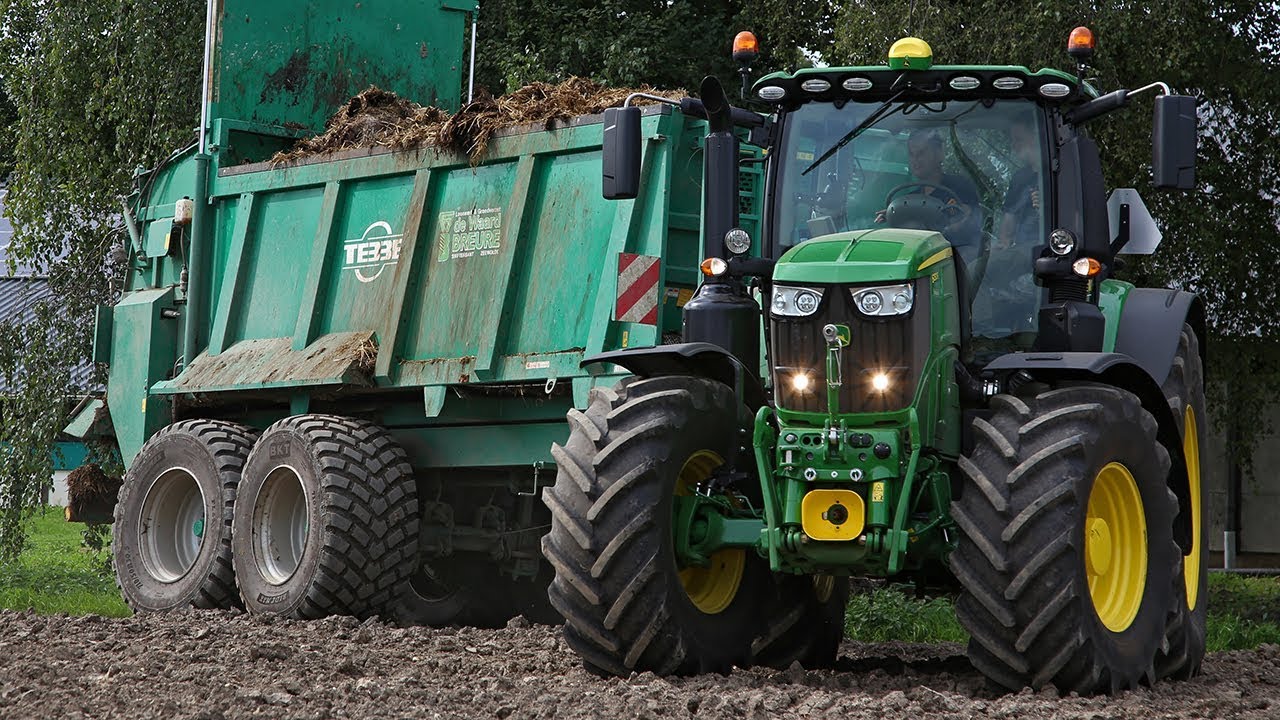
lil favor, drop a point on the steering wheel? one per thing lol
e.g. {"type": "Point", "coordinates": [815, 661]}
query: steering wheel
{"type": "Point", "coordinates": [936, 210]}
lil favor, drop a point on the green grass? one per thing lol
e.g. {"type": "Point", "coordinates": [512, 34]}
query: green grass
{"type": "Point", "coordinates": [889, 614]}
{"type": "Point", "coordinates": [55, 574]}
{"type": "Point", "coordinates": [1244, 612]}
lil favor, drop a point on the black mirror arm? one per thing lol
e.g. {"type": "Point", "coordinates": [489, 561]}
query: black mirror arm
{"type": "Point", "coordinates": [1104, 104]}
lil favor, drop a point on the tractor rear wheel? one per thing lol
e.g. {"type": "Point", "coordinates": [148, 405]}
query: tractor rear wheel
{"type": "Point", "coordinates": [444, 592]}
{"type": "Point", "coordinates": [806, 626]}
{"type": "Point", "coordinates": [628, 604]}
{"type": "Point", "coordinates": [1185, 627]}
{"type": "Point", "coordinates": [468, 589]}
{"type": "Point", "coordinates": [172, 533]}
{"type": "Point", "coordinates": [1066, 556]}
{"type": "Point", "coordinates": [326, 521]}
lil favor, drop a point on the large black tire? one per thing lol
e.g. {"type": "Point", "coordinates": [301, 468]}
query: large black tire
{"type": "Point", "coordinates": [171, 542]}
{"type": "Point", "coordinates": [1023, 560]}
{"type": "Point", "coordinates": [326, 522]}
{"type": "Point", "coordinates": [469, 590]}
{"type": "Point", "coordinates": [616, 582]}
{"type": "Point", "coordinates": [807, 626]}
{"type": "Point", "coordinates": [438, 594]}
{"type": "Point", "coordinates": [1185, 628]}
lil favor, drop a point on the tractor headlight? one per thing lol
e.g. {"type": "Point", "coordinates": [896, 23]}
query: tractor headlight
{"type": "Point", "coordinates": [795, 301]}
{"type": "Point", "coordinates": [885, 300]}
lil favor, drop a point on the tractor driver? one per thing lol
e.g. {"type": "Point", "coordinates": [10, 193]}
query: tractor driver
{"type": "Point", "coordinates": [960, 217]}
{"type": "Point", "coordinates": [1020, 222]}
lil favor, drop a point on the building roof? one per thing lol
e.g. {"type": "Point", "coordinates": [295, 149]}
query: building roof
{"type": "Point", "coordinates": [20, 293]}
{"type": "Point", "coordinates": [6, 235]}
{"type": "Point", "coordinates": [19, 296]}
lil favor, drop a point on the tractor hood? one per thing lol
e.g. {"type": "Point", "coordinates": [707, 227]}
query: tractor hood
{"type": "Point", "coordinates": [863, 256]}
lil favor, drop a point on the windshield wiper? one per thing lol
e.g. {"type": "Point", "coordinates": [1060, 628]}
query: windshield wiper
{"type": "Point", "coordinates": [875, 117]}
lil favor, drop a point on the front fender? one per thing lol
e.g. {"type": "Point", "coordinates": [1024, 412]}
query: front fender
{"type": "Point", "coordinates": [696, 359]}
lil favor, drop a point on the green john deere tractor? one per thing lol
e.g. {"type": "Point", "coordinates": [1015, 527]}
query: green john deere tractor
{"type": "Point", "coordinates": [923, 370]}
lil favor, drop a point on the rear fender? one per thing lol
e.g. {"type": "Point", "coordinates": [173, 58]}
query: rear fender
{"type": "Point", "coordinates": [1122, 371]}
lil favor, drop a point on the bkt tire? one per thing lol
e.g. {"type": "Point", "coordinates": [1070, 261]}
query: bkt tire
{"type": "Point", "coordinates": [628, 606]}
{"type": "Point", "coordinates": [1185, 625]}
{"type": "Point", "coordinates": [1067, 553]}
{"type": "Point", "coordinates": [326, 520]}
{"type": "Point", "coordinates": [172, 533]}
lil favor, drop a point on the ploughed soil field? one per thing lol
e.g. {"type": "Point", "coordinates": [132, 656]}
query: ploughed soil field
{"type": "Point", "coordinates": [228, 665]}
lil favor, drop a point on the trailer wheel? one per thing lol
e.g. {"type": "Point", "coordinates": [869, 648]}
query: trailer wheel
{"type": "Point", "coordinates": [807, 626]}
{"type": "Point", "coordinates": [1066, 556]}
{"type": "Point", "coordinates": [172, 534]}
{"type": "Point", "coordinates": [628, 605]}
{"type": "Point", "coordinates": [1185, 626]}
{"type": "Point", "coordinates": [326, 521]}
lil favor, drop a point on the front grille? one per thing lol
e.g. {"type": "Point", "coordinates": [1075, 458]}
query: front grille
{"type": "Point", "coordinates": [895, 346]}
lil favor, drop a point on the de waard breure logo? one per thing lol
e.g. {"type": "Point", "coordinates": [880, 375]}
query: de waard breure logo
{"type": "Point", "coordinates": [373, 252]}
{"type": "Point", "coordinates": [468, 233]}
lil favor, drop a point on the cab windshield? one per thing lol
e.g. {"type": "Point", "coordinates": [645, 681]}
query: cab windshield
{"type": "Point", "coordinates": [972, 170]}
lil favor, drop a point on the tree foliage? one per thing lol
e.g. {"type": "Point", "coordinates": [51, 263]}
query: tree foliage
{"type": "Point", "coordinates": [99, 88]}
{"type": "Point", "coordinates": [634, 42]}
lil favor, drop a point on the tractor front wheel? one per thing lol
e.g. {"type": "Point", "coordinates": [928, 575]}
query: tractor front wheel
{"type": "Point", "coordinates": [629, 604]}
{"type": "Point", "coordinates": [1067, 553]}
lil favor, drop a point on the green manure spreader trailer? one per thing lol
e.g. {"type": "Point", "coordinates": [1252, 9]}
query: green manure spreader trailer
{"type": "Point", "coordinates": [956, 390]}
{"type": "Point", "coordinates": [335, 383]}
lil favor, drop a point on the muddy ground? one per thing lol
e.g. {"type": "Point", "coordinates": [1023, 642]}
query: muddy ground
{"type": "Point", "coordinates": [222, 665]}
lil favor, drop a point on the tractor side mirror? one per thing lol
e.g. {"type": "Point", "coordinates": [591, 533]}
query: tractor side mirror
{"type": "Point", "coordinates": [621, 158]}
{"type": "Point", "coordinates": [1173, 150]}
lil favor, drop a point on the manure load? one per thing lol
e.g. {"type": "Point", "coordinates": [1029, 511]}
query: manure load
{"type": "Point", "coordinates": [339, 363]}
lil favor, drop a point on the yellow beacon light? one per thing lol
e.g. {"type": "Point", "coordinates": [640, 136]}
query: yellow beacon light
{"type": "Point", "coordinates": [910, 53]}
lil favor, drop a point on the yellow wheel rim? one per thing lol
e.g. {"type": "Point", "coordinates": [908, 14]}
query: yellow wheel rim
{"type": "Point", "coordinates": [712, 588]}
{"type": "Point", "coordinates": [1115, 544]}
{"type": "Point", "coordinates": [1191, 451]}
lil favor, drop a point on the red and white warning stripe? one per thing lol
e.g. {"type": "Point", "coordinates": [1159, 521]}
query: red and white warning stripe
{"type": "Point", "coordinates": [637, 289]}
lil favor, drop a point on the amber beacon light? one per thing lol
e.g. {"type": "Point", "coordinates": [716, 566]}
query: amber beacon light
{"type": "Point", "coordinates": [745, 47]}
{"type": "Point", "coordinates": [1081, 43]}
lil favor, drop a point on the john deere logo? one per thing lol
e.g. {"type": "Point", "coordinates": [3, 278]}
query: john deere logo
{"type": "Point", "coordinates": [373, 252]}
{"type": "Point", "coordinates": [464, 234]}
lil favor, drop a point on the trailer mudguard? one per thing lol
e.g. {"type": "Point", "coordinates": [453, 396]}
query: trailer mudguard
{"type": "Point", "coordinates": [1122, 371]}
{"type": "Point", "coordinates": [1150, 324]}
{"type": "Point", "coordinates": [697, 359]}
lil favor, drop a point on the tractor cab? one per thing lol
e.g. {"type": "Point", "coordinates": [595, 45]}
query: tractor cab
{"type": "Point", "coordinates": [992, 157]}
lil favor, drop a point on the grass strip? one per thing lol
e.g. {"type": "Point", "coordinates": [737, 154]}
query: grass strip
{"type": "Point", "coordinates": [55, 574]}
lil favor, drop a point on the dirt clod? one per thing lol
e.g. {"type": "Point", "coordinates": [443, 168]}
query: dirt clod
{"type": "Point", "coordinates": [378, 118]}
{"type": "Point", "coordinates": [197, 665]}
